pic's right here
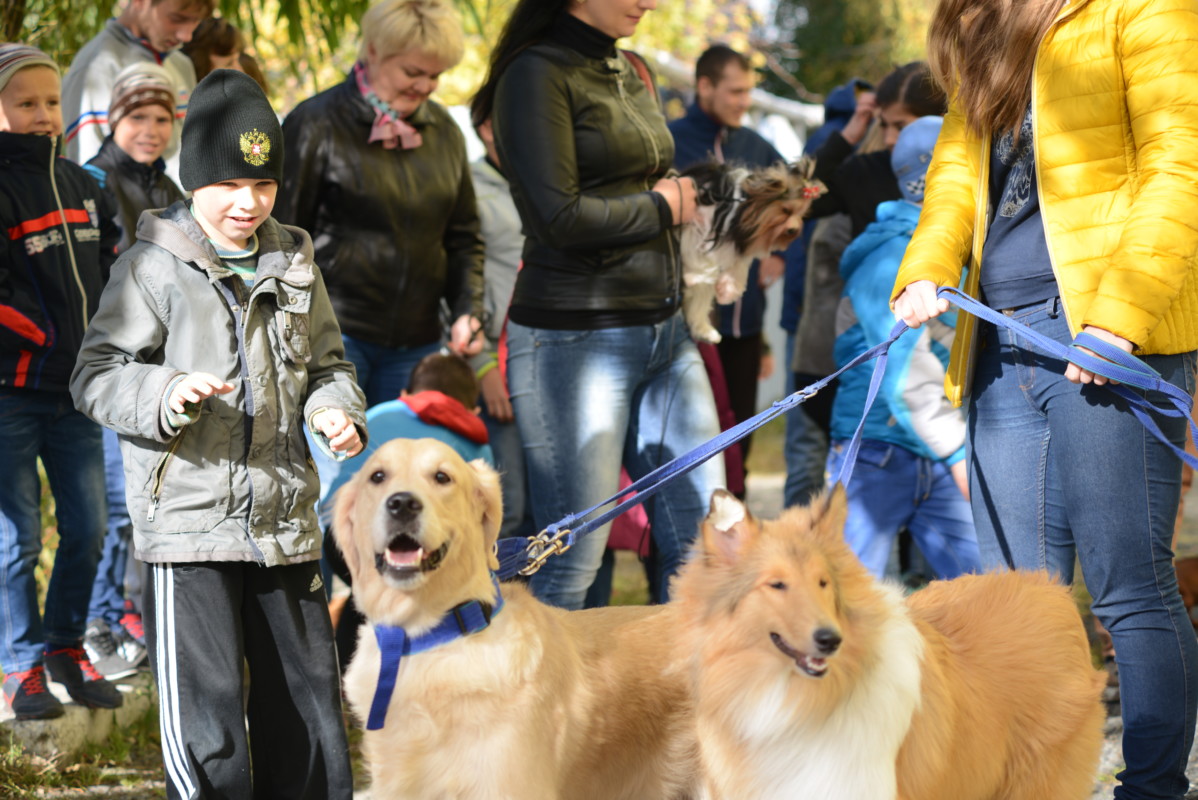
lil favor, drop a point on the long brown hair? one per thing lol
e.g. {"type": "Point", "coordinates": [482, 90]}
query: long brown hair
{"type": "Point", "coordinates": [529, 23]}
{"type": "Point", "coordinates": [982, 53]}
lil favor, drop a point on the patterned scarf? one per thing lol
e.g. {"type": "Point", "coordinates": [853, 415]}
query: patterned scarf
{"type": "Point", "coordinates": [389, 128]}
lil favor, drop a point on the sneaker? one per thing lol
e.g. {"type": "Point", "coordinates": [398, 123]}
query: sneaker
{"type": "Point", "coordinates": [105, 653]}
{"type": "Point", "coordinates": [131, 622]}
{"type": "Point", "coordinates": [71, 667]}
{"type": "Point", "coordinates": [130, 649]}
{"type": "Point", "coordinates": [28, 696]}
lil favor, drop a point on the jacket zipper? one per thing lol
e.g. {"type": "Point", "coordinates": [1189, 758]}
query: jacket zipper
{"type": "Point", "coordinates": [160, 475]}
{"type": "Point", "coordinates": [66, 230]}
{"type": "Point", "coordinates": [240, 303]}
{"type": "Point", "coordinates": [643, 127]}
{"type": "Point", "coordinates": [639, 121]}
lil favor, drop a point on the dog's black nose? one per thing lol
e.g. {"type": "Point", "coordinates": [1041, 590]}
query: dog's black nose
{"type": "Point", "coordinates": [403, 505]}
{"type": "Point", "coordinates": [827, 640]}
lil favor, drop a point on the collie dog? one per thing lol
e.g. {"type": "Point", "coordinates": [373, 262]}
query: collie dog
{"type": "Point", "coordinates": [813, 680]}
{"type": "Point", "coordinates": [742, 215]}
{"type": "Point", "coordinates": [529, 702]}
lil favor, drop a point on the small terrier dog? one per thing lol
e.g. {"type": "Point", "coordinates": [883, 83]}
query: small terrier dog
{"type": "Point", "coordinates": [743, 214]}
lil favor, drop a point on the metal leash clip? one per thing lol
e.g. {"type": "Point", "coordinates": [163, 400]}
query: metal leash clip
{"type": "Point", "coordinates": [542, 546]}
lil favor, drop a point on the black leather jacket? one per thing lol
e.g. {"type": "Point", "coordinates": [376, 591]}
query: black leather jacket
{"type": "Point", "coordinates": [583, 140]}
{"type": "Point", "coordinates": [135, 187]}
{"type": "Point", "coordinates": [394, 230]}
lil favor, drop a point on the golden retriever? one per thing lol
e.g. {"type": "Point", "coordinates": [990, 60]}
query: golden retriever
{"type": "Point", "coordinates": [542, 703]}
{"type": "Point", "coordinates": [813, 680]}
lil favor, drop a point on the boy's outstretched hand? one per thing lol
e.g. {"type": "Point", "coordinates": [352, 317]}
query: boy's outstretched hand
{"type": "Point", "coordinates": [339, 429]}
{"type": "Point", "coordinates": [194, 388]}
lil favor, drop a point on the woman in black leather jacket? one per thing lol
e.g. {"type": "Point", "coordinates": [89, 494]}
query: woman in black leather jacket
{"type": "Point", "coordinates": [601, 367]}
{"type": "Point", "coordinates": [377, 173]}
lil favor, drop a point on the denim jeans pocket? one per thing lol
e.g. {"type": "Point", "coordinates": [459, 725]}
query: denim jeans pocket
{"type": "Point", "coordinates": [875, 454]}
{"type": "Point", "coordinates": [545, 337]}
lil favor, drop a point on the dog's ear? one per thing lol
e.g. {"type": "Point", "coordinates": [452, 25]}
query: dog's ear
{"type": "Point", "coordinates": [728, 527]}
{"type": "Point", "coordinates": [836, 510]}
{"type": "Point", "coordinates": [490, 500]}
{"type": "Point", "coordinates": [343, 522]}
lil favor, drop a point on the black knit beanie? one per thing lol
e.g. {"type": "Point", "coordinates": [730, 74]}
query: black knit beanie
{"type": "Point", "coordinates": [230, 132]}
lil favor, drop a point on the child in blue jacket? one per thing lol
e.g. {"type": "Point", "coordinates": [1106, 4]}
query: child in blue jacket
{"type": "Point", "coordinates": [910, 471]}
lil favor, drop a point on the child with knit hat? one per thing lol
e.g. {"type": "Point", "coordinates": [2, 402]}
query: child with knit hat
{"type": "Point", "coordinates": [131, 169]}
{"type": "Point", "coordinates": [60, 242]}
{"type": "Point", "coordinates": [215, 342]}
{"type": "Point", "coordinates": [141, 117]}
{"type": "Point", "coordinates": [911, 468]}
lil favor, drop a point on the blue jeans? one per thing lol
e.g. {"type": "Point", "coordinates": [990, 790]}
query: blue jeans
{"type": "Point", "coordinates": [892, 488]}
{"type": "Point", "coordinates": [1060, 469]}
{"type": "Point", "coordinates": [587, 401]}
{"type": "Point", "coordinates": [513, 477]}
{"type": "Point", "coordinates": [383, 371]}
{"type": "Point", "coordinates": [805, 448]}
{"type": "Point", "coordinates": [108, 591]}
{"type": "Point", "coordinates": [40, 423]}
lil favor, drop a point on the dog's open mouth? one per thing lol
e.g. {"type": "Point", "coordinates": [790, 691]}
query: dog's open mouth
{"type": "Point", "coordinates": [813, 666]}
{"type": "Point", "coordinates": [405, 557]}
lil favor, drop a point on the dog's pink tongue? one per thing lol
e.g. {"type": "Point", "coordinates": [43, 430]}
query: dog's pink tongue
{"type": "Point", "coordinates": [405, 558]}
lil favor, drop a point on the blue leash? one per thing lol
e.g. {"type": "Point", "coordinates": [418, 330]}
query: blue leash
{"type": "Point", "coordinates": [519, 555]}
{"type": "Point", "coordinates": [525, 556]}
{"type": "Point", "coordinates": [1111, 362]}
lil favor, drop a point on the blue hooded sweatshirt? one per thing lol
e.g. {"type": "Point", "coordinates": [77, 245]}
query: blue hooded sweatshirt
{"type": "Point", "coordinates": [911, 410]}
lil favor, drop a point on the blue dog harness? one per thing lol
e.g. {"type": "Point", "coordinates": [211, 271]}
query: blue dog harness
{"type": "Point", "coordinates": [395, 643]}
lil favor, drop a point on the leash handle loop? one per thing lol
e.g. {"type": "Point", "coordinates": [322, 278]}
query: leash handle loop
{"type": "Point", "coordinates": [1111, 362]}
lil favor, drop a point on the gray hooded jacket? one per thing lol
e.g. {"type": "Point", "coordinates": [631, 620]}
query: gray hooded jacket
{"type": "Point", "coordinates": [238, 484]}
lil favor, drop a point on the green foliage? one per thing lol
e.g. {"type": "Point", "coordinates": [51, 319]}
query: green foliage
{"type": "Point", "coordinates": [60, 27]}
{"type": "Point", "coordinates": [826, 42]}
{"type": "Point", "coordinates": [305, 46]}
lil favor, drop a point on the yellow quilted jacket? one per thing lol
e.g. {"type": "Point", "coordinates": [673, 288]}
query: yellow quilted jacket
{"type": "Point", "coordinates": [1115, 110]}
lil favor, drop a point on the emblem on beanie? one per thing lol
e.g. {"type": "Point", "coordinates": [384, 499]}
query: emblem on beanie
{"type": "Point", "coordinates": [255, 147]}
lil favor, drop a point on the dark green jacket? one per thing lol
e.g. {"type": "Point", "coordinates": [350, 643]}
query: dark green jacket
{"type": "Point", "coordinates": [582, 141]}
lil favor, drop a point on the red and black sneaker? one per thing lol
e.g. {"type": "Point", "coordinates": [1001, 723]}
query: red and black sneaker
{"type": "Point", "coordinates": [28, 696]}
{"type": "Point", "coordinates": [131, 622]}
{"type": "Point", "coordinates": [71, 667]}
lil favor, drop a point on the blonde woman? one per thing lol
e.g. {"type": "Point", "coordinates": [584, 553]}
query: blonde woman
{"type": "Point", "coordinates": [1067, 174]}
{"type": "Point", "coordinates": [377, 173]}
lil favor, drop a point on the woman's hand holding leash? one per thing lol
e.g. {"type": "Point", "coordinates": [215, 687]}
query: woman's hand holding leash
{"type": "Point", "coordinates": [681, 196]}
{"type": "Point", "coordinates": [1076, 374]}
{"type": "Point", "coordinates": [919, 303]}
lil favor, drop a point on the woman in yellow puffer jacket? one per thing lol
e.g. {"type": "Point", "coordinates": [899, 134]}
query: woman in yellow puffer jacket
{"type": "Point", "coordinates": [1066, 178]}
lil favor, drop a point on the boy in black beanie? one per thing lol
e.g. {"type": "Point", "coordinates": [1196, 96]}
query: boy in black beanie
{"type": "Point", "coordinates": [214, 342]}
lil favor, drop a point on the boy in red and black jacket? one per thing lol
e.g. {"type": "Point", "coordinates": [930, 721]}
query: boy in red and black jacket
{"type": "Point", "coordinates": [58, 243]}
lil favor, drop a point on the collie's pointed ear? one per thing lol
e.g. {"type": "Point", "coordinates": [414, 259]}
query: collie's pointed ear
{"type": "Point", "coordinates": [343, 522]}
{"type": "Point", "coordinates": [490, 500]}
{"type": "Point", "coordinates": [728, 527]}
{"type": "Point", "coordinates": [836, 510]}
